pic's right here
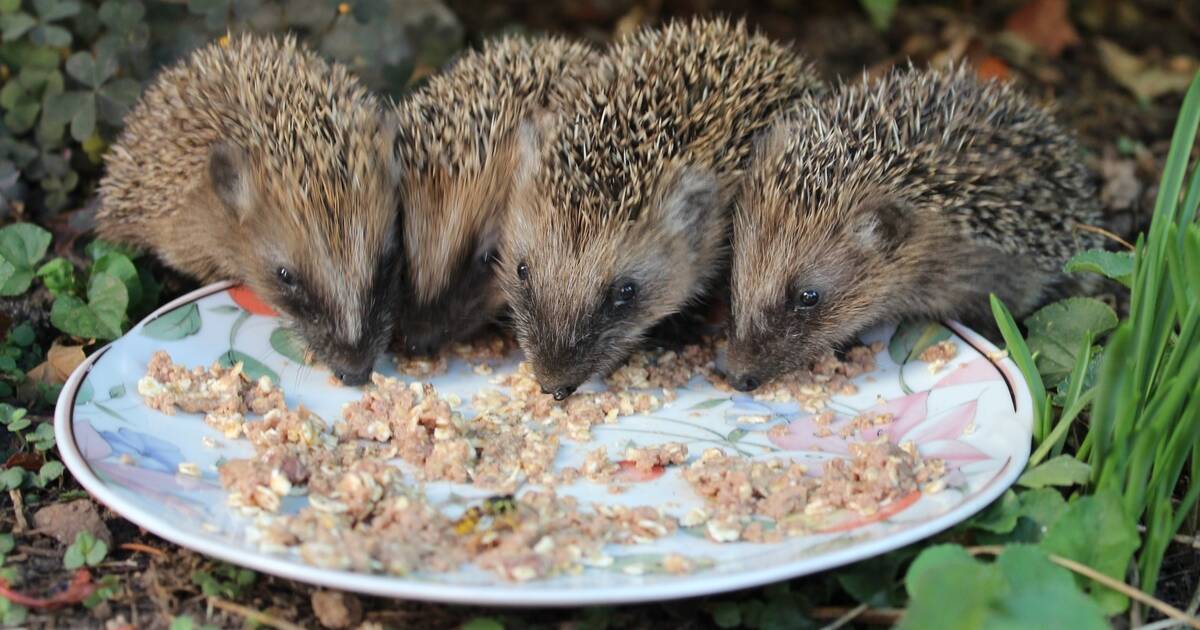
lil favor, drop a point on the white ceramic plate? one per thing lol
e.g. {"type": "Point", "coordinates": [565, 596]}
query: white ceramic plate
{"type": "Point", "coordinates": [976, 413]}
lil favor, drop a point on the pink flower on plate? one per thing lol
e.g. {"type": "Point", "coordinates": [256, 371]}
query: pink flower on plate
{"type": "Point", "coordinates": [977, 370]}
{"type": "Point", "coordinates": [936, 437]}
{"type": "Point", "coordinates": [802, 432]}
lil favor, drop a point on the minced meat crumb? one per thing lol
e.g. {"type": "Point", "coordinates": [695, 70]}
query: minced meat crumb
{"type": "Point", "coordinates": [363, 516]}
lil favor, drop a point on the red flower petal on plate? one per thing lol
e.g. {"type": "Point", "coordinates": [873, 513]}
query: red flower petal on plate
{"type": "Point", "coordinates": [247, 299]}
{"type": "Point", "coordinates": [630, 473]}
{"type": "Point", "coordinates": [886, 511]}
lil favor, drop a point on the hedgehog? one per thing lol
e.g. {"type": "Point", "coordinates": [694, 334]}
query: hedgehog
{"type": "Point", "coordinates": [911, 196]}
{"type": "Point", "coordinates": [620, 212]}
{"type": "Point", "coordinates": [456, 152]}
{"type": "Point", "coordinates": [255, 161]}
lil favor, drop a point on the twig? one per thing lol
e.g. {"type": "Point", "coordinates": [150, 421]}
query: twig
{"type": "Point", "coordinates": [1182, 539]}
{"type": "Point", "coordinates": [144, 549]}
{"type": "Point", "coordinates": [1105, 233]}
{"type": "Point", "coordinates": [34, 551]}
{"type": "Point", "coordinates": [1121, 587]}
{"type": "Point", "coordinates": [870, 616]}
{"type": "Point", "coordinates": [252, 615]}
{"type": "Point", "coordinates": [18, 511]}
{"type": "Point", "coordinates": [846, 618]}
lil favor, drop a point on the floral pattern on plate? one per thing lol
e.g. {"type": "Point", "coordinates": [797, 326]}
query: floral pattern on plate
{"type": "Point", "coordinates": [974, 412]}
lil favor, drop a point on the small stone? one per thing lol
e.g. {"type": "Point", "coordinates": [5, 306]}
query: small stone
{"type": "Point", "coordinates": [64, 521]}
{"type": "Point", "coordinates": [335, 609]}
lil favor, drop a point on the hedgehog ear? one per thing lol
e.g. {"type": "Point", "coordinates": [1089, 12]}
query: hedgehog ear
{"type": "Point", "coordinates": [692, 203]}
{"type": "Point", "coordinates": [883, 224]}
{"type": "Point", "coordinates": [230, 180]}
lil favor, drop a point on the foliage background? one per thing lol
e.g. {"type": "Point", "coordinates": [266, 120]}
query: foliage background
{"type": "Point", "coordinates": [70, 69]}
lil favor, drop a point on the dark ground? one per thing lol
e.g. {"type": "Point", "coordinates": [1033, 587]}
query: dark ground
{"type": "Point", "coordinates": [1089, 82]}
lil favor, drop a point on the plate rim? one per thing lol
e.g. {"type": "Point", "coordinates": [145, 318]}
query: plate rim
{"type": "Point", "coordinates": [531, 594]}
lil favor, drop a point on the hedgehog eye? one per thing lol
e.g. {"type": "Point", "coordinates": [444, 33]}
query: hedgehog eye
{"type": "Point", "coordinates": [523, 271]}
{"type": "Point", "coordinates": [807, 299]}
{"type": "Point", "coordinates": [624, 292]}
{"type": "Point", "coordinates": [286, 276]}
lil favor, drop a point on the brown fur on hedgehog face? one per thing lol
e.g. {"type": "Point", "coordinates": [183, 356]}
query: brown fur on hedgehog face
{"type": "Point", "coordinates": [802, 287]}
{"type": "Point", "coordinates": [451, 236]}
{"type": "Point", "coordinates": [258, 156]}
{"type": "Point", "coordinates": [332, 279]}
{"type": "Point", "coordinates": [582, 297]}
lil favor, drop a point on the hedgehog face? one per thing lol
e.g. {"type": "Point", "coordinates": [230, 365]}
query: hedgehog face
{"type": "Point", "coordinates": [583, 294]}
{"type": "Point", "coordinates": [451, 234]}
{"type": "Point", "coordinates": [807, 285]}
{"type": "Point", "coordinates": [325, 261]}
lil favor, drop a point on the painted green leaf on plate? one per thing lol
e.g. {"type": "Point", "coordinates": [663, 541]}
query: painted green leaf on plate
{"type": "Point", "coordinates": [286, 343]}
{"type": "Point", "coordinates": [177, 324]}
{"type": "Point", "coordinates": [253, 368]}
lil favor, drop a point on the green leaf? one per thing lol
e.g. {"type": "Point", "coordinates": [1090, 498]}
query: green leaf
{"type": "Point", "coordinates": [12, 614]}
{"type": "Point", "coordinates": [85, 550]}
{"type": "Point", "coordinates": [103, 314]}
{"type": "Point", "coordinates": [912, 337]}
{"type": "Point", "coordinates": [1095, 531]}
{"type": "Point", "coordinates": [22, 335]}
{"type": "Point", "coordinates": [1063, 470]}
{"type": "Point", "coordinates": [14, 25]}
{"type": "Point", "coordinates": [22, 245]}
{"type": "Point", "coordinates": [83, 123]}
{"type": "Point", "coordinates": [50, 471]}
{"type": "Point", "coordinates": [483, 623]}
{"type": "Point", "coordinates": [285, 342]}
{"type": "Point", "coordinates": [51, 10]}
{"type": "Point", "coordinates": [1114, 265]}
{"type": "Point", "coordinates": [90, 70]}
{"type": "Point", "coordinates": [253, 368]}
{"type": "Point", "coordinates": [736, 435]}
{"type": "Point", "coordinates": [59, 276]}
{"type": "Point", "coordinates": [875, 581]}
{"type": "Point", "coordinates": [96, 554]}
{"type": "Point", "coordinates": [6, 543]}
{"type": "Point", "coordinates": [950, 589]}
{"type": "Point", "coordinates": [177, 324]}
{"type": "Point", "coordinates": [726, 615]}
{"type": "Point", "coordinates": [880, 12]}
{"type": "Point", "coordinates": [51, 35]}
{"type": "Point", "coordinates": [1001, 516]}
{"type": "Point", "coordinates": [1043, 506]}
{"type": "Point", "coordinates": [1042, 594]}
{"type": "Point", "coordinates": [116, 391]}
{"type": "Point", "coordinates": [707, 404]}
{"type": "Point", "coordinates": [1057, 332]}
{"type": "Point", "coordinates": [12, 478]}
{"type": "Point", "coordinates": [43, 436]}
{"type": "Point", "coordinates": [99, 248]}
{"type": "Point", "coordinates": [9, 6]}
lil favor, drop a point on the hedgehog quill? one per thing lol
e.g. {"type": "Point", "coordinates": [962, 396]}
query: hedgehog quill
{"type": "Point", "coordinates": [258, 162]}
{"type": "Point", "coordinates": [456, 150]}
{"type": "Point", "coordinates": [912, 196]}
{"type": "Point", "coordinates": [619, 216]}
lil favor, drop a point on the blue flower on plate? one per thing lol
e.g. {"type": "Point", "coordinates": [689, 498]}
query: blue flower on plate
{"type": "Point", "coordinates": [150, 452]}
{"type": "Point", "coordinates": [747, 407]}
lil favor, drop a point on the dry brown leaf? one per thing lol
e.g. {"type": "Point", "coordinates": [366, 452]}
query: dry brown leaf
{"type": "Point", "coordinates": [1143, 79]}
{"type": "Point", "coordinates": [1045, 24]}
{"type": "Point", "coordinates": [60, 362]}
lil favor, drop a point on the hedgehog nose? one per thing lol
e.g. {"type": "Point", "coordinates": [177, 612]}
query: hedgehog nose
{"type": "Point", "coordinates": [560, 393]}
{"type": "Point", "coordinates": [353, 379]}
{"type": "Point", "coordinates": [746, 383]}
